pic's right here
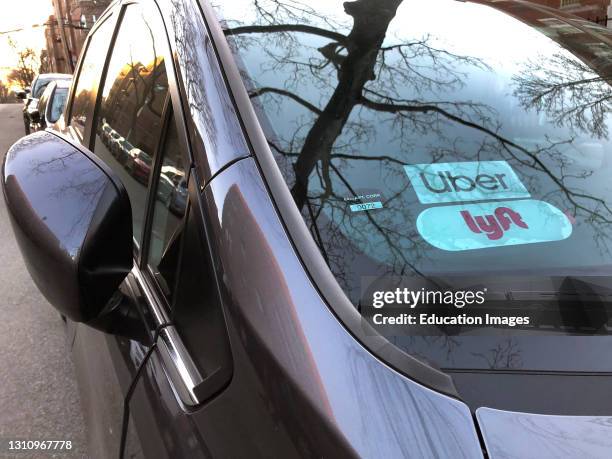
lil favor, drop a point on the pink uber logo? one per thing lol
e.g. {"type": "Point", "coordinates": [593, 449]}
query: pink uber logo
{"type": "Point", "coordinates": [494, 226]}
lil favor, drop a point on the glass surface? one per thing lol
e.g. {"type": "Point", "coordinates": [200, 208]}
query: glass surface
{"type": "Point", "coordinates": [58, 103]}
{"type": "Point", "coordinates": [392, 122]}
{"type": "Point", "coordinates": [41, 105]}
{"type": "Point", "coordinates": [206, 97]}
{"type": "Point", "coordinates": [40, 86]}
{"type": "Point", "coordinates": [168, 213]}
{"type": "Point", "coordinates": [129, 123]}
{"type": "Point", "coordinates": [89, 76]}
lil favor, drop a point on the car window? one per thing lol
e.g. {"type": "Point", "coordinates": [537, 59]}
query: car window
{"type": "Point", "coordinates": [442, 161]}
{"type": "Point", "coordinates": [89, 77]}
{"type": "Point", "coordinates": [197, 310]}
{"type": "Point", "coordinates": [168, 212]}
{"type": "Point", "coordinates": [57, 104]}
{"type": "Point", "coordinates": [129, 123]}
{"type": "Point", "coordinates": [40, 86]}
{"type": "Point", "coordinates": [181, 264]}
{"type": "Point", "coordinates": [42, 102]}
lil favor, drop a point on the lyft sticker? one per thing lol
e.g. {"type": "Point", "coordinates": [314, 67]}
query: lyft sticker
{"type": "Point", "coordinates": [493, 224]}
{"type": "Point", "coordinates": [468, 181]}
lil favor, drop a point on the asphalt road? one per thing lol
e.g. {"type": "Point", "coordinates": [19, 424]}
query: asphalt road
{"type": "Point", "coordinates": [39, 399]}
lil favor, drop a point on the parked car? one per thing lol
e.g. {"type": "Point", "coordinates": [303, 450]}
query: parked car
{"type": "Point", "coordinates": [123, 150]}
{"type": "Point", "coordinates": [105, 131]}
{"type": "Point", "coordinates": [173, 174]}
{"type": "Point", "coordinates": [165, 188]}
{"type": "Point", "coordinates": [138, 165]}
{"type": "Point", "coordinates": [332, 151]}
{"type": "Point", "coordinates": [177, 202]}
{"type": "Point", "coordinates": [48, 109]}
{"type": "Point", "coordinates": [30, 96]}
{"type": "Point", "coordinates": [114, 143]}
{"type": "Point", "coordinates": [129, 162]}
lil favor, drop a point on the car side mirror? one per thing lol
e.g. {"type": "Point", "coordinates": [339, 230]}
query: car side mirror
{"type": "Point", "coordinates": [35, 115]}
{"type": "Point", "coordinates": [72, 219]}
{"type": "Point", "coordinates": [21, 94]}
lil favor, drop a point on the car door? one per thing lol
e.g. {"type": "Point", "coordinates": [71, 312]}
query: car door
{"type": "Point", "coordinates": [101, 393]}
{"type": "Point", "coordinates": [131, 91]}
{"type": "Point", "coordinates": [175, 281]}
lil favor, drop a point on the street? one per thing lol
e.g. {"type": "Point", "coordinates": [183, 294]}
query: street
{"type": "Point", "coordinates": [39, 399]}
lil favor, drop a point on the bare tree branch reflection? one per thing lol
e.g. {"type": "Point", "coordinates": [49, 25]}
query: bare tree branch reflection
{"type": "Point", "coordinates": [355, 97]}
{"type": "Point", "coordinates": [505, 355]}
{"type": "Point", "coordinates": [357, 72]}
{"type": "Point", "coordinates": [568, 91]}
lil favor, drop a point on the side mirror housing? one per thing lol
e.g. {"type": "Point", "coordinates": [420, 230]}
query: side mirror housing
{"type": "Point", "coordinates": [72, 220]}
{"type": "Point", "coordinates": [21, 94]}
{"type": "Point", "coordinates": [35, 115]}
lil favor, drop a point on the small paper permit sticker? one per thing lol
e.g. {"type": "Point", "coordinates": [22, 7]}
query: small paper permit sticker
{"type": "Point", "coordinates": [366, 206]}
{"type": "Point", "coordinates": [493, 224]}
{"type": "Point", "coordinates": [467, 181]}
{"type": "Point", "coordinates": [364, 200]}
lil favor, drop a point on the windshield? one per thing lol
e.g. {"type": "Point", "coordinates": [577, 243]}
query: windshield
{"type": "Point", "coordinates": [444, 154]}
{"type": "Point", "coordinates": [40, 86]}
{"type": "Point", "coordinates": [58, 103]}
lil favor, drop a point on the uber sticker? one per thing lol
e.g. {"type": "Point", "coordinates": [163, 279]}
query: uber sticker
{"type": "Point", "coordinates": [492, 224]}
{"type": "Point", "coordinates": [467, 181]}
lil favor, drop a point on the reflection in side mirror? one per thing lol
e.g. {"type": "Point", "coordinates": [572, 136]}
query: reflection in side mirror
{"type": "Point", "coordinates": [72, 219]}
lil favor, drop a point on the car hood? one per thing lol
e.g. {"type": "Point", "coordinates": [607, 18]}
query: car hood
{"type": "Point", "coordinates": [512, 435]}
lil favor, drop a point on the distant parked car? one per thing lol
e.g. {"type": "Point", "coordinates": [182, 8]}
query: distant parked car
{"type": "Point", "coordinates": [170, 179]}
{"type": "Point", "coordinates": [164, 189]}
{"type": "Point", "coordinates": [113, 142]}
{"type": "Point", "coordinates": [173, 173]}
{"type": "Point", "coordinates": [104, 130]}
{"type": "Point", "coordinates": [141, 167]}
{"type": "Point", "coordinates": [46, 111]}
{"type": "Point", "coordinates": [178, 198]}
{"type": "Point", "coordinates": [123, 150]}
{"type": "Point", "coordinates": [31, 96]}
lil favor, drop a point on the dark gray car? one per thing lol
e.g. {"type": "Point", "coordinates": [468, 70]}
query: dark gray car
{"type": "Point", "coordinates": [325, 150]}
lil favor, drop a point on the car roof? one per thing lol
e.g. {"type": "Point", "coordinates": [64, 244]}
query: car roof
{"type": "Point", "coordinates": [55, 76]}
{"type": "Point", "coordinates": [64, 83]}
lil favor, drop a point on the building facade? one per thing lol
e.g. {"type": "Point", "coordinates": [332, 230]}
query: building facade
{"type": "Point", "coordinates": [67, 29]}
{"type": "Point", "coordinates": [56, 61]}
{"type": "Point", "coordinates": [591, 10]}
